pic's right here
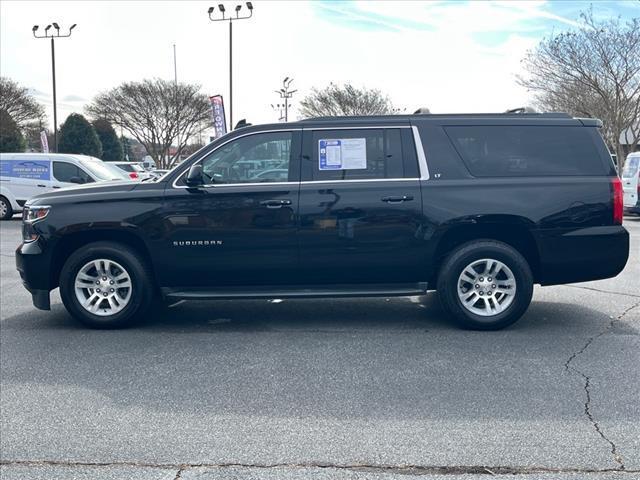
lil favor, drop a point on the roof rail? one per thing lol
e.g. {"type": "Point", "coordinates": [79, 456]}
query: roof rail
{"type": "Point", "coordinates": [515, 112]}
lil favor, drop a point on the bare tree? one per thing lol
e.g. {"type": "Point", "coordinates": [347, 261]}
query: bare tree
{"type": "Point", "coordinates": [593, 71]}
{"type": "Point", "coordinates": [157, 113]}
{"type": "Point", "coordinates": [335, 100]}
{"type": "Point", "coordinates": [18, 102]}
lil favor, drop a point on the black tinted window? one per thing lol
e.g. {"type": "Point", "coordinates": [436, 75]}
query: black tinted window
{"type": "Point", "coordinates": [513, 151]}
{"type": "Point", "coordinates": [357, 154]}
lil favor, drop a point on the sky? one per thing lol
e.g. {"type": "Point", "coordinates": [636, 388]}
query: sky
{"type": "Point", "coordinates": [451, 57]}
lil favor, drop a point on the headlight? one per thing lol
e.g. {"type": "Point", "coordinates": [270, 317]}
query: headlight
{"type": "Point", "coordinates": [35, 213]}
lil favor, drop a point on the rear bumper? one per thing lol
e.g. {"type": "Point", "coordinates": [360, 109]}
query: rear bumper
{"type": "Point", "coordinates": [582, 255]}
{"type": "Point", "coordinates": [34, 269]}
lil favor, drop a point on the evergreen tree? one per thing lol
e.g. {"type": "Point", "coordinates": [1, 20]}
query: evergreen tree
{"type": "Point", "coordinates": [11, 139]}
{"type": "Point", "coordinates": [77, 135]}
{"type": "Point", "coordinates": [111, 146]}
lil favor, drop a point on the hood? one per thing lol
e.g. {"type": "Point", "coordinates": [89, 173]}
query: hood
{"type": "Point", "coordinates": [95, 191]}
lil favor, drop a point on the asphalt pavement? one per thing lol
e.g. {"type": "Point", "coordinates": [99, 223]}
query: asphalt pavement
{"type": "Point", "coordinates": [324, 389]}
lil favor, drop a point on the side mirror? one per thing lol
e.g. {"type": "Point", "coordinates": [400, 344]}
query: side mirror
{"type": "Point", "coordinates": [194, 177]}
{"type": "Point", "coordinates": [77, 180]}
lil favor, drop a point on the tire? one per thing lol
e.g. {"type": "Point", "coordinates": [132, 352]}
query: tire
{"type": "Point", "coordinates": [126, 302]}
{"type": "Point", "coordinates": [6, 212]}
{"type": "Point", "coordinates": [490, 302]}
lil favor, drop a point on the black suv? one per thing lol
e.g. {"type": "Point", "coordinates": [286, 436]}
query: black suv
{"type": "Point", "coordinates": [479, 207]}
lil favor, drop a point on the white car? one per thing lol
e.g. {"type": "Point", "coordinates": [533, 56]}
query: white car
{"type": "Point", "coordinates": [23, 175]}
{"type": "Point", "coordinates": [631, 182]}
{"type": "Point", "coordinates": [135, 171]}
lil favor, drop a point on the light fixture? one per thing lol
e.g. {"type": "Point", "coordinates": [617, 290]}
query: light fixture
{"type": "Point", "coordinates": [221, 7]}
{"type": "Point", "coordinates": [250, 5]}
{"type": "Point", "coordinates": [210, 11]}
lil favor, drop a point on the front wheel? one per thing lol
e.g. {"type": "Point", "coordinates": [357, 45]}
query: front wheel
{"type": "Point", "coordinates": [6, 212]}
{"type": "Point", "coordinates": [485, 285]}
{"type": "Point", "coordinates": [105, 285]}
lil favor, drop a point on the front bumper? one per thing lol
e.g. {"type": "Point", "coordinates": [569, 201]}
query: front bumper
{"type": "Point", "coordinates": [34, 268]}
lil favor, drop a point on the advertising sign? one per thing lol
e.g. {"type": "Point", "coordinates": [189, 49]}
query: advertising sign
{"type": "Point", "coordinates": [25, 169]}
{"type": "Point", "coordinates": [44, 141]}
{"type": "Point", "coordinates": [217, 115]}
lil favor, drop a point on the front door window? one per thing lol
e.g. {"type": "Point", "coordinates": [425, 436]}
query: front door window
{"type": "Point", "coordinates": [260, 158]}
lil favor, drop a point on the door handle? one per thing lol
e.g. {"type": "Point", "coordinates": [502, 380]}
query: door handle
{"type": "Point", "coordinates": [397, 199]}
{"type": "Point", "coordinates": [275, 203]}
{"type": "Point", "coordinates": [56, 186]}
{"type": "Point", "coordinates": [42, 186]}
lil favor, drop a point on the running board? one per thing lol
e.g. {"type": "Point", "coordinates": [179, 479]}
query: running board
{"type": "Point", "coordinates": [287, 291]}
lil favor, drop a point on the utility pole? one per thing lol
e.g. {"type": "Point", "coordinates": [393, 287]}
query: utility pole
{"type": "Point", "coordinates": [175, 79]}
{"type": "Point", "coordinates": [286, 94]}
{"type": "Point", "coordinates": [230, 19]}
{"type": "Point", "coordinates": [53, 36]}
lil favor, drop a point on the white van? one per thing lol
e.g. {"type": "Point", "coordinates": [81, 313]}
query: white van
{"type": "Point", "coordinates": [630, 181]}
{"type": "Point", "coordinates": [23, 175]}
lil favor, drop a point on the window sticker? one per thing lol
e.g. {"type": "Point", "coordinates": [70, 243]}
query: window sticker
{"type": "Point", "coordinates": [342, 154]}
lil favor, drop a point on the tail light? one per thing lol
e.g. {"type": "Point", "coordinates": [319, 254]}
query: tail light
{"type": "Point", "coordinates": [618, 194]}
{"type": "Point", "coordinates": [133, 176]}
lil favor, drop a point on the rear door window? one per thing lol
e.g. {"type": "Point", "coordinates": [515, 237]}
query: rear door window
{"type": "Point", "coordinates": [357, 154]}
{"type": "Point", "coordinates": [519, 151]}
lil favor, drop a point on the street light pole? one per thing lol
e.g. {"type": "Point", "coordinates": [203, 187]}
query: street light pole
{"type": "Point", "coordinates": [230, 19]}
{"type": "Point", "coordinates": [175, 81]}
{"type": "Point", "coordinates": [53, 70]}
{"type": "Point", "coordinates": [286, 94]}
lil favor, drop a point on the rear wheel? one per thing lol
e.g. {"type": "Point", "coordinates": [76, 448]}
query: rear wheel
{"type": "Point", "coordinates": [485, 285]}
{"type": "Point", "coordinates": [105, 285]}
{"type": "Point", "coordinates": [6, 212]}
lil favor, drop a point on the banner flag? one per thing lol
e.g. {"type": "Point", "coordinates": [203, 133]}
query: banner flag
{"type": "Point", "coordinates": [44, 142]}
{"type": "Point", "coordinates": [217, 115]}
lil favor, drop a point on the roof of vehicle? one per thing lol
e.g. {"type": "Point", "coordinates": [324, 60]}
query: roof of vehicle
{"type": "Point", "coordinates": [51, 156]}
{"type": "Point", "coordinates": [456, 118]}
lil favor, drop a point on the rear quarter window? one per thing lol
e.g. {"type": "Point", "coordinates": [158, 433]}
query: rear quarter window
{"type": "Point", "coordinates": [522, 151]}
{"type": "Point", "coordinates": [631, 167]}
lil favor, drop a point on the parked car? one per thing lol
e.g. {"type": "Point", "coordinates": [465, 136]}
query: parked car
{"type": "Point", "coordinates": [631, 183]}
{"type": "Point", "coordinates": [23, 175]}
{"type": "Point", "coordinates": [272, 175]}
{"type": "Point", "coordinates": [477, 207]}
{"type": "Point", "coordinates": [135, 171]}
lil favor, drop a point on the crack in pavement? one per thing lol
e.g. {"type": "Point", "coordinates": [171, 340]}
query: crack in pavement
{"type": "Point", "coordinates": [374, 468]}
{"type": "Point", "coordinates": [603, 291]}
{"type": "Point", "coordinates": [179, 473]}
{"type": "Point", "coordinates": [617, 457]}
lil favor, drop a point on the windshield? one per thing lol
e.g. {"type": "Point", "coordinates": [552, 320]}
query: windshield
{"type": "Point", "coordinates": [102, 171]}
{"type": "Point", "coordinates": [630, 167]}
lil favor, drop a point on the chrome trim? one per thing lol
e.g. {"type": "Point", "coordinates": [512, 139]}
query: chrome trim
{"type": "Point", "coordinates": [362, 127]}
{"type": "Point", "coordinates": [173, 185]}
{"type": "Point", "coordinates": [218, 185]}
{"type": "Point", "coordinates": [361, 180]}
{"type": "Point", "coordinates": [422, 159]}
